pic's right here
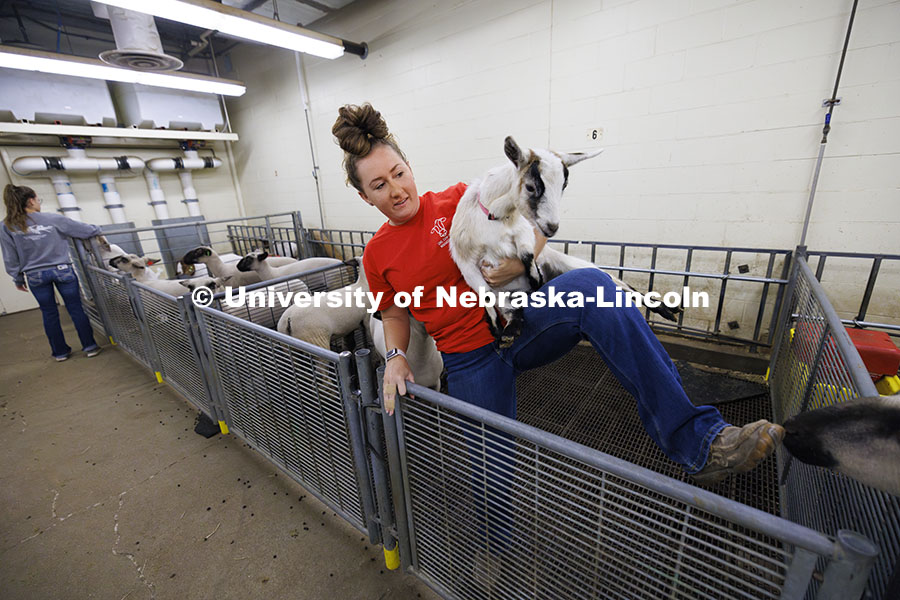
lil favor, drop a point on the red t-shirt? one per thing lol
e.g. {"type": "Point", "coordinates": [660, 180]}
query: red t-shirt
{"type": "Point", "coordinates": [400, 257]}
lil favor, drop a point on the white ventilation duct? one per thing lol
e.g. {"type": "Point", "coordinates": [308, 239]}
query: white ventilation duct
{"type": "Point", "coordinates": [138, 45]}
{"type": "Point", "coordinates": [77, 161]}
{"type": "Point", "coordinates": [190, 161]}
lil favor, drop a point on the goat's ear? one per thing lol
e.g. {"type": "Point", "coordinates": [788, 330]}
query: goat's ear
{"type": "Point", "coordinates": [513, 152]}
{"type": "Point", "coordinates": [576, 157]}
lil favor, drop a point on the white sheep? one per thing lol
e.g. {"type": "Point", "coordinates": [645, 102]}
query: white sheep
{"type": "Point", "coordinates": [259, 262]}
{"type": "Point", "coordinates": [859, 438]}
{"type": "Point", "coordinates": [422, 354]}
{"type": "Point", "coordinates": [217, 266]}
{"type": "Point", "coordinates": [317, 324]}
{"type": "Point", "coordinates": [109, 251]}
{"type": "Point", "coordinates": [496, 218]}
{"type": "Point", "coordinates": [136, 266]}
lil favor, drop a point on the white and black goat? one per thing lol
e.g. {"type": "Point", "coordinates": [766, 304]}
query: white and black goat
{"type": "Point", "coordinates": [136, 266]}
{"type": "Point", "coordinates": [859, 438]}
{"type": "Point", "coordinates": [496, 218]}
{"type": "Point", "coordinates": [226, 265]}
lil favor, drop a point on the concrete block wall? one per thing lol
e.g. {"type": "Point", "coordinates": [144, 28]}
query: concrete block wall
{"type": "Point", "coordinates": [710, 110]}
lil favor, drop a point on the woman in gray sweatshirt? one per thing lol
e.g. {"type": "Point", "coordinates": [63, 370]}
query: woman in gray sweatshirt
{"type": "Point", "coordinates": [36, 251]}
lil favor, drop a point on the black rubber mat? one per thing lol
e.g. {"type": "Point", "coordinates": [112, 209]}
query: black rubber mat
{"type": "Point", "coordinates": [705, 387]}
{"type": "Point", "coordinates": [578, 398]}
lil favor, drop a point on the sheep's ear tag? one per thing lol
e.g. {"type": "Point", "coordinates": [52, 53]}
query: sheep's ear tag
{"type": "Point", "coordinates": [208, 252]}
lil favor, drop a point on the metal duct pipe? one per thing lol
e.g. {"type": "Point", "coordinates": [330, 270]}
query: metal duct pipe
{"type": "Point", "coordinates": [137, 41]}
{"type": "Point", "coordinates": [157, 197]}
{"type": "Point", "coordinates": [134, 30]}
{"type": "Point", "coordinates": [190, 160]}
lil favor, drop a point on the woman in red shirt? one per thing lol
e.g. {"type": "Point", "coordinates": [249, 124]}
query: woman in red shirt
{"type": "Point", "coordinates": [411, 250]}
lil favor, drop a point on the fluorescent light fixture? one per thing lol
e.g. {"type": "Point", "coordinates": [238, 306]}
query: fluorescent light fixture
{"type": "Point", "coordinates": [75, 66]}
{"type": "Point", "coordinates": [238, 23]}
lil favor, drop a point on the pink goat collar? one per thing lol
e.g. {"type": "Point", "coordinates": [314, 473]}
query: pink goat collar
{"type": "Point", "coordinates": [484, 208]}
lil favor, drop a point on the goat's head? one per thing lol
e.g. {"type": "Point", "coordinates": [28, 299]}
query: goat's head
{"type": "Point", "coordinates": [860, 438]}
{"type": "Point", "coordinates": [543, 175]}
{"type": "Point", "coordinates": [199, 254]}
{"type": "Point", "coordinates": [129, 263]}
{"type": "Point", "coordinates": [252, 261]}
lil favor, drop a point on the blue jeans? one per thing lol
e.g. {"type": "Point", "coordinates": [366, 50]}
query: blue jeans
{"type": "Point", "coordinates": [486, 377]}
{"type": "Point", "coordinates": [41, 285]}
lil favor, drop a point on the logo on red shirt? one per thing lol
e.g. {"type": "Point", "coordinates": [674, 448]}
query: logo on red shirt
{"type": "Point", "coordinates": [441, 229]}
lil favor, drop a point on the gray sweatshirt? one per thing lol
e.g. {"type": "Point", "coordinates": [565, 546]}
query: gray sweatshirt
{"type": "Point", "coordinates": [44, 245]}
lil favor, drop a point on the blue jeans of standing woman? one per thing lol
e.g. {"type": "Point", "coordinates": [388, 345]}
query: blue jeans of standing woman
{"type": "Point", "coordinates": [486, 377]}
{"type": "Point", "coordinates": [41, 284]}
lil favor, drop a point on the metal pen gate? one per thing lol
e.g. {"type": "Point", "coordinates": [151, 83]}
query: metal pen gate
{"type": "Point", "coordinates": [285, 398]}
{"type": "Point", "coordinates": [814, 364]}
{"type": "Point", "coordinates": [585, 524]}
{"type": "Point", "coordinates": [171, 329]}
{"type": "Point", "coordinates": [497, 509]}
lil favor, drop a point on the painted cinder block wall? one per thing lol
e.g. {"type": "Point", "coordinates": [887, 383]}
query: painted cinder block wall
{"type": "Point", "coordinates": [711, 115]}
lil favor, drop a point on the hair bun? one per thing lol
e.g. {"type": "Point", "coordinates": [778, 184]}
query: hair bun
{"type": "Point", "coordinates": [357, 126]}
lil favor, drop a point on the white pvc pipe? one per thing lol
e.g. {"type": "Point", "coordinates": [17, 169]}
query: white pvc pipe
{"type": "Point", "coordinates": [188, 162]}
{"type": "Point", "coordinates": [76, 161]}
{"type": "Point", "coordinates": [157, 197]}
{"type": "Point", "coordinates": [190, 194]}
{"type": "Point", "coordinates": [113, 200]}
{"type": "Point", "coordinates": [64, 195]}
{"type": "Point", "coordinates": [184, 165]}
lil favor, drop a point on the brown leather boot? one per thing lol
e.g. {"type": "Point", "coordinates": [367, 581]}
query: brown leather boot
{"type": "Point", "coordinates": [738, 450]}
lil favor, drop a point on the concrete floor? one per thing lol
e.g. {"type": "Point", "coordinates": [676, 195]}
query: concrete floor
{"type": "Point", "coordinates": [107, 492]}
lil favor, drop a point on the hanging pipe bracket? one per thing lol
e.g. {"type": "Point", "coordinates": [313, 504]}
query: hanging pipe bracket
{"type": "Point", "coordinates": [831, 102]}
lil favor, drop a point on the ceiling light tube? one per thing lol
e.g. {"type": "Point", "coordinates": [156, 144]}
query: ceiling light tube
{"type": "Point", "coordinates": [76, 66]}
{"type": "Point", "coordinates": [239, 23]}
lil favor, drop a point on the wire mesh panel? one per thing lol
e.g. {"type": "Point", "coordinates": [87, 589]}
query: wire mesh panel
{"type": "Point", "coordinates": [338, 243]}
{"type": "Point", "coordinates": [500, 510]}
{"type": "Point", "coordinates": [260, 302]}
{"type": "Point", "coordinates": [175, 346]}
{"type": "Point", "coordinates": [577, 397]}
{"type": "Point", "coordinates": [121, 313]}
{"type": "Point", "coordinates": [813, 370]}
{"type": "Point", "coordinates": [284, 399]}
{"type": "Point", "coordinates": [277, 240]}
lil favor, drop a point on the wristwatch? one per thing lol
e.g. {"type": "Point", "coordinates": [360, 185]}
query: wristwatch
{"type": "Point", "coordinates": [393, 353]}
